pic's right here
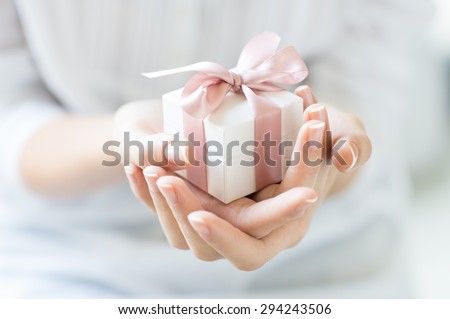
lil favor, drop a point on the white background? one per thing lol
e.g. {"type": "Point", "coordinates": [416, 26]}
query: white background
{"type": "Point", "coordinates": [429, 225]}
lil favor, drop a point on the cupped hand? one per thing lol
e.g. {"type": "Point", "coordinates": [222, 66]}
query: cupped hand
{"type": "Point", "coordinates": [138, 126]}
{"type": "Point", "coordinates": [250, 231]}
{"type": "Point", "coordinates": [242, 231]}
{"type": "Point", "coordinates": [138, 130]}
{"type": "Point", "coordinates": [330, 168]}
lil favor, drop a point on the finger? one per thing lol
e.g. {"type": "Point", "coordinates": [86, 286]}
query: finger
{"type": "Point", "coordinates": [138, 185]}
{"type": "Point", "coordinates": [306, 94]}
{"type": "Point", "coordinates": [263, 217]}
{"type": "Point", "coordinates": [304, 165]}
{"type": "Point", "coordinates": [182, 202]}
{"type": "Point", "coordinates": [178, 155]}
{"type": "Point", "coordinates": [351, 145]}
{"type": "Point", "coordinates": [266, 193]}
{"type": "Point", "coordinates": [210, 203]}
{"type": "Point", "coordinates": [167, 220]}
{"type": "Point", "coordinates": [319, 112]}
{"type": "Point", "coordinates": [307, 157]}
{"type": "Point", "coordinates": [160, 149]}
{"type": "Point", "coordinates": [290, 234]}
{"type": "Point", "coordinates": [242, 250]}
{"type": "Point", "coordinates": [351, 151]}
{"type": "Point", "coordinates": [316, 112]}
{"type": "Point", "coordinates": [140, 123]}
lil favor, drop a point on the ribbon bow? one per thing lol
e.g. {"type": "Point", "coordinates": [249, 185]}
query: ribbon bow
{"type": "Point", "coordinates": [260, 68]}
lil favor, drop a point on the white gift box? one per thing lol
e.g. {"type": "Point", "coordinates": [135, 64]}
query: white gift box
{"type": "Point", "coordinates": [233, 122]}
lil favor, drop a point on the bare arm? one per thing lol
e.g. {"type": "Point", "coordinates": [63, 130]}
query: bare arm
{"type": "Point", "coordinates": [65, 157]}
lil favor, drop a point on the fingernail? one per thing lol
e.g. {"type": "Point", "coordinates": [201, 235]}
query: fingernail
{"type": "Point", "coordinates": [316, 130]}
{"type": "Point", "coordinates": [312, 199]}
{"type": "Point", "coordinates": [199, 225]}
{"type": "Point", "coordinates": [130, 170]}
{"type": "Point", "coordinates": [306, 94]}
{"type": "Point", "coordinates": [355, 155]}
{"type": "Point", "coordinates": [317, 112]}
{"type": "Point", "coordinates": [152, 178]}
{"type": "Point", "coordinates": [309, 98]}
{"type": "Point", "coordinates": [309, 200]}
{"type": "Point", "coordinates": [168, 192]}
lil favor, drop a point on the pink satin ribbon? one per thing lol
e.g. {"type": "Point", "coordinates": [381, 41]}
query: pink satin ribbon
{"type": "Point", "coordinates": [260, 68]}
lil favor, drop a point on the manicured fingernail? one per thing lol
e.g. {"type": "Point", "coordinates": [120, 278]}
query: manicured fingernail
{"type": "Point", "coordinates": [309, 98]}
{"type": "Point", "coordinates": [130, 170]}
{"type": "Point", "coordinates": [312, 199]}
{"type": "Point", "coordinates": [316, 130]}
{"type": "Point", "coordinates": [152, 178]}
{"type": "Point", "coordinates": [168, 192]}
{"type": "Point", "coordinates": [309, 200]}
{"type": "Point", "coordinates": [306, 94]}
{"type": "Point", "coordinates": [355, 155]}
{"type": "Point", "coordinates": [199, 225]}
{"type": "Point", "coordinates": [315, 108]}
{"type": "Point", "coordinates": [317, 112]}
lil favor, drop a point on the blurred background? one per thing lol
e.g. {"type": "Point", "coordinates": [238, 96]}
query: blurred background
{"type": "Point", "coordinates": [429, 223]}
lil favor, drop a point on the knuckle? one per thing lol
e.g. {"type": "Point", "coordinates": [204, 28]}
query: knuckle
{"type": "Point", "coordinates": [178, 244]}
{"type": "Point", "coordinates": [205, 255]}
{"type": "Point", "coordinates": [253, 263]}
{"type": "Point", "coordinates": [250, 265]}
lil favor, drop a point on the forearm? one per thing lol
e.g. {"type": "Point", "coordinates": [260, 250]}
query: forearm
{"type": "Point", "coordinates": [65, 157]}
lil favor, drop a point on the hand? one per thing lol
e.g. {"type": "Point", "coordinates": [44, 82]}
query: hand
{"type": "Point", "coordinates": [268, 224]}
{"type": "Point", "coordinates": [141, 122]}
{"type": "Point", "coordinates": [242, 231]}
{"type": "Point", "coordinates": [350, 148]}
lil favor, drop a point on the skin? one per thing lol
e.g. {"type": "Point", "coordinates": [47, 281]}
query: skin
{"type": "Point", "coordinates": [64, 160]}
{"type": "Point", "coordinates": [250, 231]}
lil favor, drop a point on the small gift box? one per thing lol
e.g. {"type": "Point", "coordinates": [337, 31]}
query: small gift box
{"type": "Point", "coordinates": [242, 124]}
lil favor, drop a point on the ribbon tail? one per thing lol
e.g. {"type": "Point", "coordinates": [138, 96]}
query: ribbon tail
{"type": "Point", "coordinates": [213, 69]}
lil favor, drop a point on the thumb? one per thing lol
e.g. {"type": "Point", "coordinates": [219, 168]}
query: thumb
{"type": "Point", "coordinates": [160, 149]}
{"type": "Point", "coordinates": [352, 151]}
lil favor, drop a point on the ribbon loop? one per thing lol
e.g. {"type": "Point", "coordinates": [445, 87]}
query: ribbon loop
{"type": "Point", "coordinates": [260, 68]}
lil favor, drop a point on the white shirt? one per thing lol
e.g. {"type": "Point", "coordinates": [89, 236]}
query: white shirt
{"type": "Point", "coordinates": [86, 57]}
